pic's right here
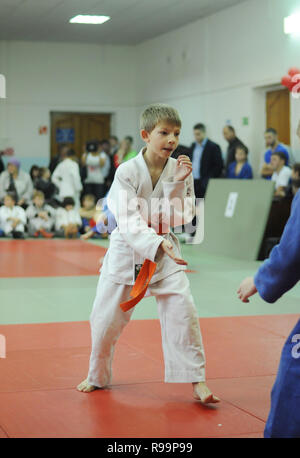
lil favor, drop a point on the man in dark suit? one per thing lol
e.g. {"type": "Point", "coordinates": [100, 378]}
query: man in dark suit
{"type": "Point", "coordinates": [207, 160]}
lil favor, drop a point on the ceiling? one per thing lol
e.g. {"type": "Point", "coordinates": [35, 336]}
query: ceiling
{"type": "Point", "coordinates": [132, 21]}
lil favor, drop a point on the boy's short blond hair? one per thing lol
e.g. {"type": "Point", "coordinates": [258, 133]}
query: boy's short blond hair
{"type": "Point", "coordinates": [38, 194]}
{"type": "Point", "coordinates": [156, 113]}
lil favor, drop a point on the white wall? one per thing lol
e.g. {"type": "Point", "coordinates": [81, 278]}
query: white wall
{"type": "Point", "coordinates": [44, 77]}
{"type": "Point", "coordinates": [212, 69]}
{"type": "Point", "coordinates": [215, 70]}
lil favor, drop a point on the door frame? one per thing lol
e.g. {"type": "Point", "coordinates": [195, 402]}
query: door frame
{"type": "Point", "coordinates": [72, 112]}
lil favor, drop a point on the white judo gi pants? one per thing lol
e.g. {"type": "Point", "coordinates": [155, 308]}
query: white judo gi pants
{"type": "Point", "coordinates": [38, 223]}
{"type": "Point", "coordinates": [181, 337]}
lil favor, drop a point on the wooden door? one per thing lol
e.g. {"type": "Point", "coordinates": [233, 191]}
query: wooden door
{"type": "Point", "coordinates": [75, 129]}
{"type": "Point", "coordinates": [278, 113]}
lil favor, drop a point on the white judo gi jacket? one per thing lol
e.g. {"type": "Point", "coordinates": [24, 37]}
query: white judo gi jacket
{"type": "Point", "coordinates": [65, 217]}
{"type": "Point", "coordinates": [66, 177]}
{"type": "Point", "coordinates": [131, 247]}
{"type": "Point", "coordinates": [35, 222]}
{"type": "Point", "coordinates": [15, 212]}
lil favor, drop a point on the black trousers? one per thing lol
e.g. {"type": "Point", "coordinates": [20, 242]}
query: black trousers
{"type": "Point", "coordinates": [200, 189]}
{"type": "Point", "coordinates": [98, 190]}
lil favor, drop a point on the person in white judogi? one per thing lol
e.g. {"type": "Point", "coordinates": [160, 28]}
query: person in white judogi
{"type": "Point", "coordinates": [151, 178]}
{"type": "Point", "coordinates": [12, 217]}
{"type": "Point", "coordinates": [68, 220]}
{"type": "Point", "coordinates": [41, 216]}
{"type": "Point", "coordinates": [66, 177]}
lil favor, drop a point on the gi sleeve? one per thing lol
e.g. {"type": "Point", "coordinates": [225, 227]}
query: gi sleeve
{"type": "Point", "coordinates": [181, 198]}
{"type": "Point", "coordinates": [111, 221]}
{"type": "Point", "coordinates": [281, 271]}
{"type": "Point", "coordinates": [122, 201]}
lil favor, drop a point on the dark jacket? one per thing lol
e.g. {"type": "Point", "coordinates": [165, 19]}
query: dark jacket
{"type": "Point", "coordinates": [211, 164]}
{"type": "Point", "coordinates": [2, 168]}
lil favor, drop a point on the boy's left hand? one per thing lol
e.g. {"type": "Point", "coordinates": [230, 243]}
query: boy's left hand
{"type": "Point", "coordinates": [247, 288]}
{"type": "Point", "coordinates": [183, 168]}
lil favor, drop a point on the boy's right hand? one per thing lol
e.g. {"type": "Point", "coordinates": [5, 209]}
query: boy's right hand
{"type": "Point", "coordinates": [167, 248]}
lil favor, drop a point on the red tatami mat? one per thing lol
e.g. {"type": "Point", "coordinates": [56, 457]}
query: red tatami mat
{"type": "Point", "coordinates": [21, 258]}
{"type": "Point", "coordinates": [45, 362]}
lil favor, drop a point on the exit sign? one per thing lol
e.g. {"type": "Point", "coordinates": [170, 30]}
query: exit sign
{"type": "Point", "coordinates": [245, 121]}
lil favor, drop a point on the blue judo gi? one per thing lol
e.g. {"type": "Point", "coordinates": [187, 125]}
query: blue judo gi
{"type": "Point", "coordinates": [277, 275]}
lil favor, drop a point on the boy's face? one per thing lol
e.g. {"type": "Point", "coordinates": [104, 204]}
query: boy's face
{"type": "Point", "coordinates": [9, 202]}
{"type": "Point", "coordinates": [163, 139]}
{"type": "Point", "coordinates": [88, 204]}
{"type": "Point", "coordinates": [38, 201]}
{"type": "Point", "coordinates": [276, 162]}
{"type": "Point", "coordinates": [69, 207]}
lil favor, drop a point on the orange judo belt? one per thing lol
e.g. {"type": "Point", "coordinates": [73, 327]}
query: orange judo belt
{"type": "Point", "coordinates": [142, 281]}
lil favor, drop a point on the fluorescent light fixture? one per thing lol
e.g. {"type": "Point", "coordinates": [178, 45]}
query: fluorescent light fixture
{"type": "Point", "coordinates": [88, 19]}
{"type": "Point", "coordinates": [292, 24]}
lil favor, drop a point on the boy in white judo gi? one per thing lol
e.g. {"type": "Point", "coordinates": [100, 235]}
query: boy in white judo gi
{"type": "Point", "coordinates": [146, 180]}
{"type": "Point", "coordinates": [41, 216]}
{"type": "Point", "coordinates": [12, 217]}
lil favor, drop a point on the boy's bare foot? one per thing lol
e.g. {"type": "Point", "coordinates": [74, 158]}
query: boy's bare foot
{"type": "Point", "coordinates": [202, 393]}
{"type": "Point", "coordinates": [85, 387]}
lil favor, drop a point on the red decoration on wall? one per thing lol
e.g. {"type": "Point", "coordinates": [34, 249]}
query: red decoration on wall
{"type": "Point", "coordinates": [287, 81]}
{"type": "Point", "coordinates": [7, 152]}
{"type": "Point", "coordinates": [292, 79]}
{"type": "Point", "coordinates": [43, 130]}
{"type": "Point", "coordinates": [293, 71]}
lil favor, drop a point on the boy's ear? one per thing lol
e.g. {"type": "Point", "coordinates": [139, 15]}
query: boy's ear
{"type": "Point", "coordinates": [144, 135]}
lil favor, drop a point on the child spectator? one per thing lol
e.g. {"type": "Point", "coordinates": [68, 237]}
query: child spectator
{"type": "Point", "coordinates": [87, 212]}
{"type": "Point", "coordinates": [41, 217]}
{"type": "Point", "coordinates": [240, 168]}
{"type": "Point", "coordinates": [45, 185]}
{"type": "Point", "coordinates": [12, 217]}
{"type": "Point", "coordinates": [68, 220]}
{"type": "Point", "coordinates": [34, 174]}
{"type": "Point", "coordinates": [294, 183]}
{"type": "Point", "coordinates": [105, 222]}
{"type": "Point", "coordinates": [281, 173]}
